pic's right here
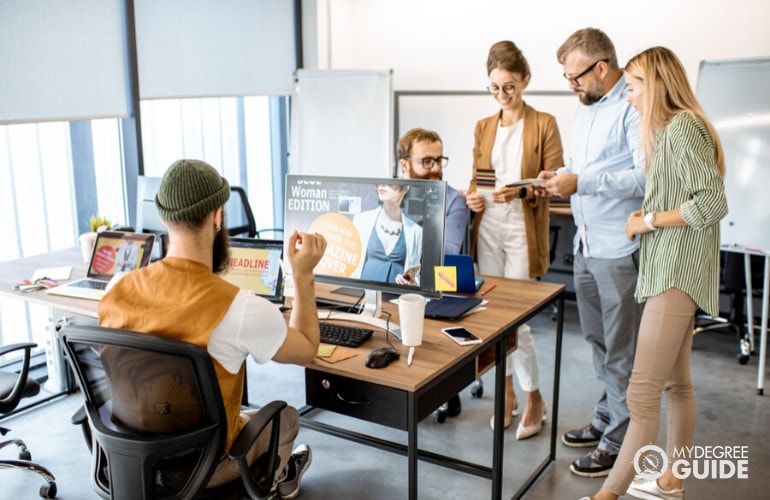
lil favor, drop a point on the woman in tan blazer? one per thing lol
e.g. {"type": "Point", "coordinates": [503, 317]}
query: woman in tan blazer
{"type": "Point", "coordinates": [511, 228]}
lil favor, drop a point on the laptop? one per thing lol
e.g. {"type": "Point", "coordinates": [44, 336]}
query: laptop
{"type": "Point", "coordinates": [467, 281]}
{"type": "Point", "coordinates": [255, 265]}
{"type": "Point", "coordinates": [113, 252]}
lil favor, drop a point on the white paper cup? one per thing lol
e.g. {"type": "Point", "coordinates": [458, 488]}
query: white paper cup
{"type": "Point", "coordinates": [411, 313]}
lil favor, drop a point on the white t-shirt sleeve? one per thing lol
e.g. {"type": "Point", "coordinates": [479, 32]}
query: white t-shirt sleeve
{"type": "Point", "coordinates": [252, 325]}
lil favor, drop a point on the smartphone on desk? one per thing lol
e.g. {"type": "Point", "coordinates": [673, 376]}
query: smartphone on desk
{"type": "Point", "coordinates": [461, 335]}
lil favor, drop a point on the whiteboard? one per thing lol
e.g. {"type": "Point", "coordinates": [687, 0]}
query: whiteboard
{"type": "Point", "coordinates": [453, 115]}
{"type": "Point", "coordinates": [736, 97]}
{"type": "Point", "coordinates": [342, 123]}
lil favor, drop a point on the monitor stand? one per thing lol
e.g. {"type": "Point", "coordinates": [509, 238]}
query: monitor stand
{"type": "Point", "coordinates": [370, 314]}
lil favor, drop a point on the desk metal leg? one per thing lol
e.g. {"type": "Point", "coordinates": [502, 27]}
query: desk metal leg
{"type": "Point", "coordinates": [557, 377]}
{"type": "Point", "coordinates": [412, 451]}
{"type": "Point", "coordinates": [497, 435]}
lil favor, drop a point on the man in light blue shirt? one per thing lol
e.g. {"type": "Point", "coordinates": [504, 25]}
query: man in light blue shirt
{"type": "Point", "coordinates": [605, 182]}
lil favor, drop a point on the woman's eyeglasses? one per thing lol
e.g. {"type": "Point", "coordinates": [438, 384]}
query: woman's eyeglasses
{"type": "Point", "coordinates": [508, 89]}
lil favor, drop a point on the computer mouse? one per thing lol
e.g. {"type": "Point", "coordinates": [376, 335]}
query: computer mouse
{"type": "Point", "coordinates": [381, 357]}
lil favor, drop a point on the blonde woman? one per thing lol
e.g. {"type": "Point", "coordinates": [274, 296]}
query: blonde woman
{"type": "Point", "coordinates": [679, 263]}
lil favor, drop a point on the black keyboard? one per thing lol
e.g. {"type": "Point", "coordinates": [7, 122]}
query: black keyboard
{"type": "Point", "coordinates": [96, 285]}
{"type": "Point", "coordinates": [348, 336]}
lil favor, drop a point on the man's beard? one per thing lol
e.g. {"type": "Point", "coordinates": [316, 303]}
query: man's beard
{"type": "Point", "coordinates": [221, 260]}
{"type": "Point", "coordinates": [431, 176]}
{"type": "Point", "coordinates": [592, 96]}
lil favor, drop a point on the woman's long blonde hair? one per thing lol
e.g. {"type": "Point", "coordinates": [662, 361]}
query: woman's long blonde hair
{"type": "Point", "coordinates": [666, 94]}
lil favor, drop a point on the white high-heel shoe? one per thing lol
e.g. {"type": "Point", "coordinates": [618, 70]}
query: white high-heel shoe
{"type": "Point", "coordinates": [527, 431]}
{"type": "Point", "coordinates": [514, 413]}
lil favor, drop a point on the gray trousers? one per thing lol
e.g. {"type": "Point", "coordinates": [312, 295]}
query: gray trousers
{"type": "Point", "coordinates": [609, 318]}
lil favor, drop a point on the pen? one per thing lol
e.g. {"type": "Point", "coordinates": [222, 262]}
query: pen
{"type": "Point", "coordinates": [488, 290]}
{"type": "Point", "coordinates": [410, 357]}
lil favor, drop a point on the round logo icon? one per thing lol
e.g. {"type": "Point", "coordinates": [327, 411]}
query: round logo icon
{"type": "Point", "coordinates": [650, 462]}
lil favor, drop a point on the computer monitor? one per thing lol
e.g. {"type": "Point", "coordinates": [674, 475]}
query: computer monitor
{"type": "Point", "coordinates": [383, 234]}
{"type": "Point", "coordinates": [147, 217]}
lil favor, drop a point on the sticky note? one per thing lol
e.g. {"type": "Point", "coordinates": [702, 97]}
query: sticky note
{"type": "Point", "coordinates": [446, 278]}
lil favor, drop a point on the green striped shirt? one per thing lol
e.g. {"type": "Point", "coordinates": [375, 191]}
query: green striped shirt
{"type": "Point", "coordinates": [683, 174]}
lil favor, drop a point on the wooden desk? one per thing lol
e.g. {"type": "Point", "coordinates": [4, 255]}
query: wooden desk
{"type": "Point", "coordinates": [400, 396]}
{"type": "Point", "coordinates": [60, 310]}
{"type": "Point", "coordinates": [12, 272]}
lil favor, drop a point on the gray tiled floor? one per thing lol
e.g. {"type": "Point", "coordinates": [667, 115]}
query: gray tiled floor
{"type": "Point", "coordinates": [729, 413]}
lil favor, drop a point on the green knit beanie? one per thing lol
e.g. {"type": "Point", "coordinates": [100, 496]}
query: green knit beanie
{"type": "Point", "coordinates": [189, 190]}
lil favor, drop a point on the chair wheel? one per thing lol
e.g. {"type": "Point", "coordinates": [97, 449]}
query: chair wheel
{"type": "Point", "coordinates": [477, 390]}
{"type": "Point", "coordinates": [439, 416]}
{"type": "Point", "coordinates": [742, 358]}
{"type": "Point", "coordinates": [48, 490]}
{"type": "Point", "coordinates": [25, 455]}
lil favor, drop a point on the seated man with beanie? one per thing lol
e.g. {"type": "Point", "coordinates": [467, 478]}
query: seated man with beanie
{"type": "Point", "coordinates": [182, 297]}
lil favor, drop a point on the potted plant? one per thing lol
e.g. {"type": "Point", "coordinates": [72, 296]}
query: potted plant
{"type": "Point", "coordinates": [97, 224]}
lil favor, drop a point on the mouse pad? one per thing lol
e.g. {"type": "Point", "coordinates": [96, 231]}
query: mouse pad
{"type": "Point", "coordinates": [338, 353]}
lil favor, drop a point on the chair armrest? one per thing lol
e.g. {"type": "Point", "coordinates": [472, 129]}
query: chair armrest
{"type": "Point", "coordinates": [81, 418]}
{"type": "Point", "coordinates": [15, 347]}
{"type": "Point", "coordinates": [259, 486]}
{"type": "Point", "coordinates": [254, 427]}
{"type": "Point", "coordinates": [14, 394]}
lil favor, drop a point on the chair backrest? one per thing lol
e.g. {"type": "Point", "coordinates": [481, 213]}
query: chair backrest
{"type": "Point", "coordinates": [15, 386]}
{"type": "Point", "coordinates": [240, 217]}
{"type": "Point", "coordinates": [155, 409]}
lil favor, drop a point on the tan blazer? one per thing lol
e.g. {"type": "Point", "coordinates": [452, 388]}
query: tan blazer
{"type": "Point", "coordinates": [542, 150]}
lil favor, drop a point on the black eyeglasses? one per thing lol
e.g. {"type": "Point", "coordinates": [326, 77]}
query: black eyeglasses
{"type": "Point", "coordinates": [428, 162]}
{"type": "Point", "coordinates": [574, 79]}
{"type": "Point", "coordinates": [508, 89]}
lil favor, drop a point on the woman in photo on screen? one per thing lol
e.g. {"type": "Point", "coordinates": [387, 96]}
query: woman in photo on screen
{"type": "Point", "coordinates": [392, 241]}
{"type": "Point", "coordinates": [511, 228]}
{"type": "Point", "coordinates": [678, 225]}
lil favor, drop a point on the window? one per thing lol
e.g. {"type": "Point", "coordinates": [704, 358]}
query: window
{"type": "Point", "coordinates": [233, 134]}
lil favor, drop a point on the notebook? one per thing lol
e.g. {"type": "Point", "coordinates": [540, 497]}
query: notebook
{"type": "Point", "coordinates": [113, 252]}
{"type": "Point", "coordinates": [255, 264]}
{"type": "Point", "coordinates": [467, 281]}
{"type": "Point", "coordinates": [450, 307]}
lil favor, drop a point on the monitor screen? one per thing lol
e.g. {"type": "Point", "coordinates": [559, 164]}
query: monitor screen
{"type": "Point", "coordinates": [382, 234]}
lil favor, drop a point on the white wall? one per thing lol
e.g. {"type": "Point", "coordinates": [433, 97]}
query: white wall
{"type": "Point", "coordinates": [442, 44]}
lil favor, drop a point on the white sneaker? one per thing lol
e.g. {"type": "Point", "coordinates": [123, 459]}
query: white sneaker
{"type": "Point", "coordinates": [649, 489]}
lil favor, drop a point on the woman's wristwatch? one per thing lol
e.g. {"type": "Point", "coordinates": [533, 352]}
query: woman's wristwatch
{"type": "Point", "coordinates": [649, 219]}
{"type": "Point", "coordinates": [523, 192]}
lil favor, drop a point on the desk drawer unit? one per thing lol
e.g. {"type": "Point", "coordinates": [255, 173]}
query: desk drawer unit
{"type": "Point", "coordinates": [377, 403]}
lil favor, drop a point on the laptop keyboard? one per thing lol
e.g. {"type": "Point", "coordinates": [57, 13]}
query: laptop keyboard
{"type": "Point", "coordinates": [94, 285]}
{"type": "Point", "coordinates": [348, 336]}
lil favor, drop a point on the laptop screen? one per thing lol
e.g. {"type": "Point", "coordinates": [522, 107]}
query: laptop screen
{"type": "Point", "coordinates": [116, 251]}
{"type": "Point", "coordinates": [255, 265]}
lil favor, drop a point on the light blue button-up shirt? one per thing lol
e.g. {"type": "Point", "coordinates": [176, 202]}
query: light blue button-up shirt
{"type": "Point", "coordinates": [606, 155]}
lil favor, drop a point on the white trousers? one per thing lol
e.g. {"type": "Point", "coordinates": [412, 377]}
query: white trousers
{"type": "Point", "coordinates": [501, 250]}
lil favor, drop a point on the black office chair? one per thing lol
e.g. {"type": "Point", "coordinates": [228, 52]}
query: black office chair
{"type": "Point", "coordinates": [732, 283]}
{"type": "Point", "coordinates": [13, 388]}
{"type": "Point", "coordinates": [240, 218]}
{"type": "Point", "coordinates": [154, 417]}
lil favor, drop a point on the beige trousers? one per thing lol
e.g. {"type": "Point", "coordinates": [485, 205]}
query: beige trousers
{"type": "Point", "coordinates": [661, 366]}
